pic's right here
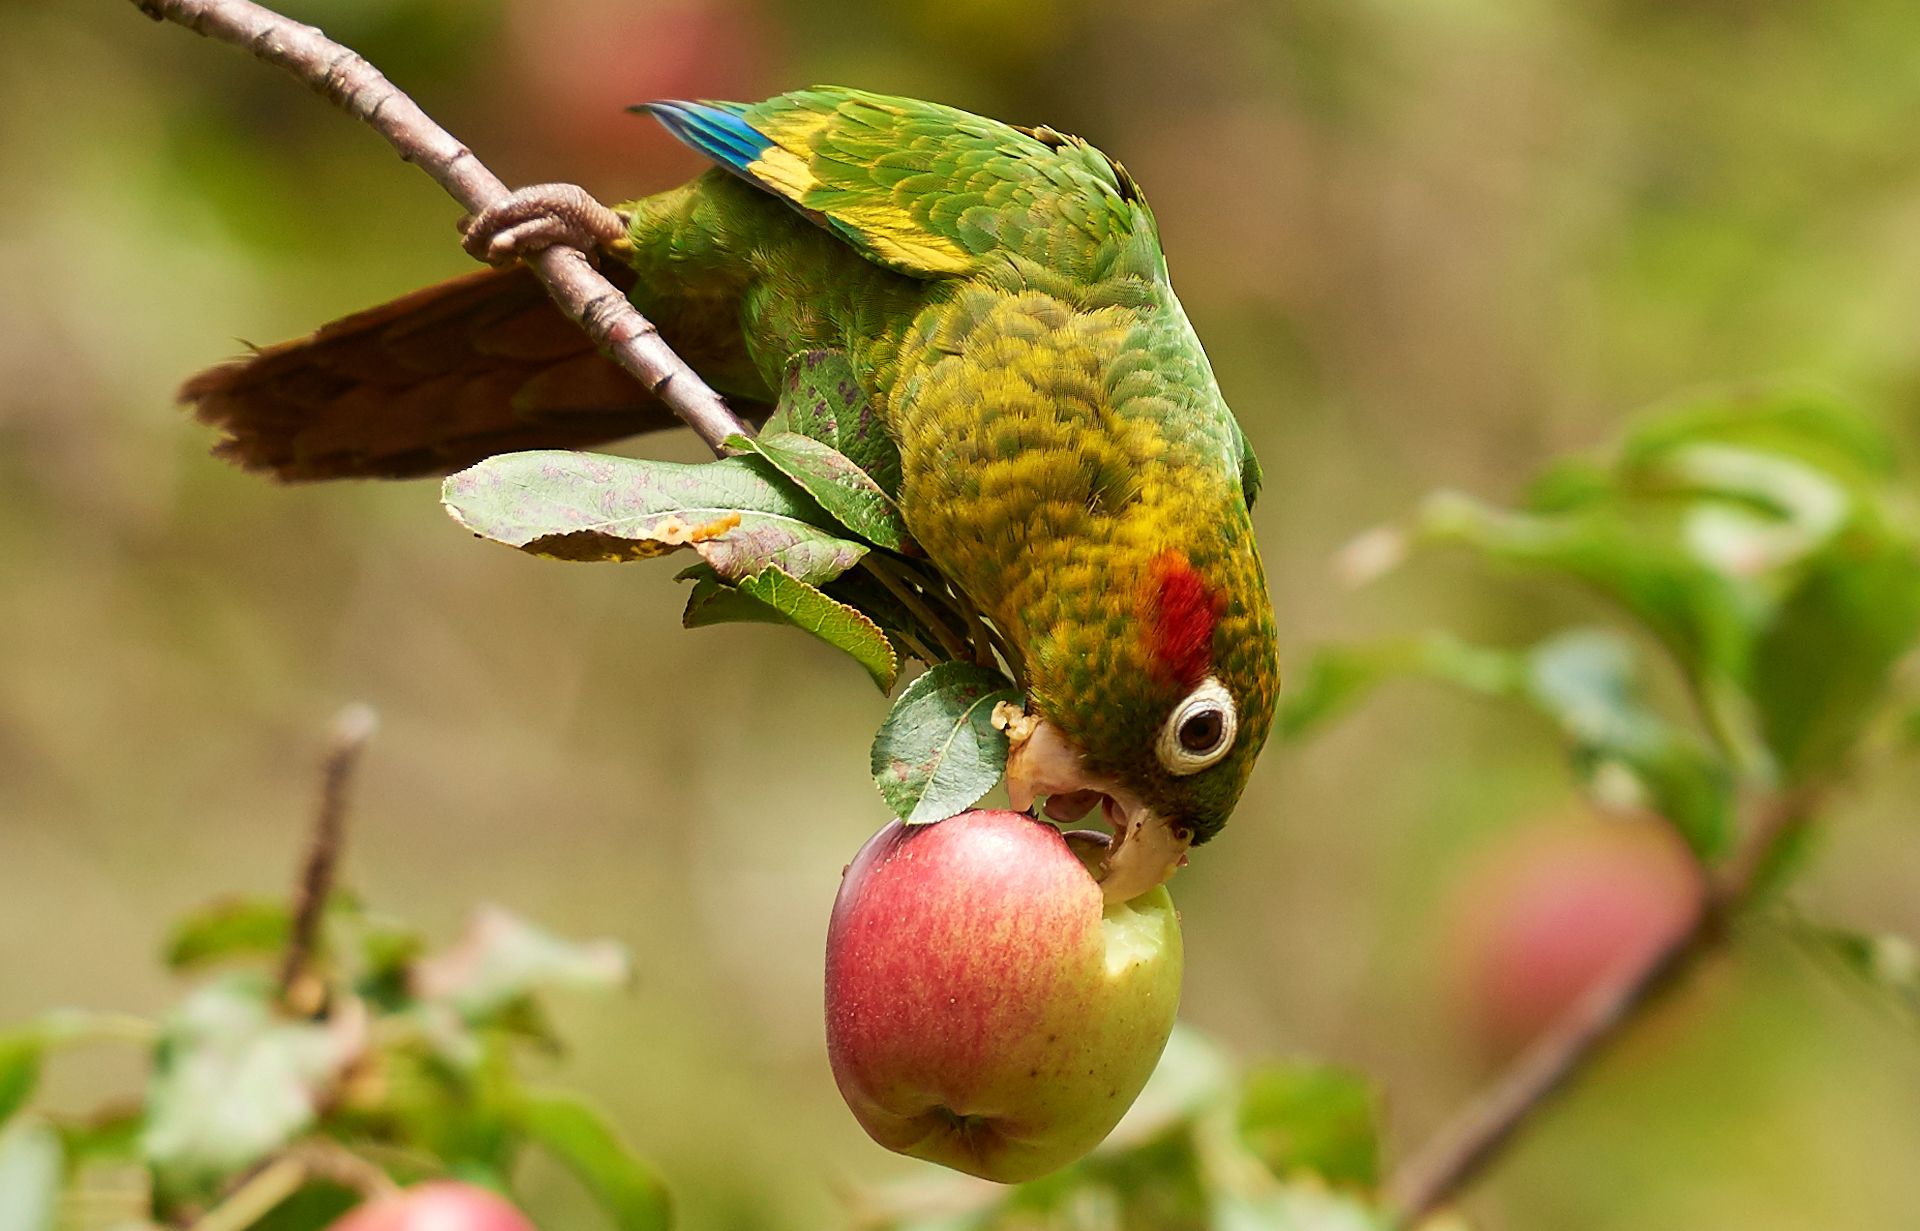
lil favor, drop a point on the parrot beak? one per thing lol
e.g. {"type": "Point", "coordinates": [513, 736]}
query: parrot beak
{"type": "Point", "coordinates": [1145, 848]}
{"type": "Point", "coordinates": [1145, 851]}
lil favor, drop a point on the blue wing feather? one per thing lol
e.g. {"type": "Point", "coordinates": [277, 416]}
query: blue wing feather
{"type": "Point", "coordinates": [715, 129]}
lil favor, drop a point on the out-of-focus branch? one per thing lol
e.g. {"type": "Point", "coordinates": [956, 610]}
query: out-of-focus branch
{"type": "Point", "coordinates": [351, 730]}
{"type": "Point", "coordinates": [349, 81]}
{"type": "Point", "coordinates": [1456, 1155]}
{"type": "Point", "coordinates": [263, 1189]}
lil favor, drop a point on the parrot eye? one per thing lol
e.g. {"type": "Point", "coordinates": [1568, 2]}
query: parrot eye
{"type": "Point", "coordinates": [1200, 730]}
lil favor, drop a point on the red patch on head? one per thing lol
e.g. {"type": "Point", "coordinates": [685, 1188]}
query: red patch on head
{"type": "Point", "coordinates": [1182, 611]}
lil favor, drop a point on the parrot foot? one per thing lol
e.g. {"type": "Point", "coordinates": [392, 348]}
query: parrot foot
{"type": "Point", "coordinates": [540, 216]}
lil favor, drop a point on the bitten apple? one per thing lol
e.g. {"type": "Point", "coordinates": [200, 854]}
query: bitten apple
{"type": "Point", "coordinates": [443, 1205]}
{"type": "Point", "coordinates": [985, 1009]}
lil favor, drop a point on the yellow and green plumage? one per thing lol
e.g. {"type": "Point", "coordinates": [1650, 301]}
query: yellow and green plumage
{"type": "Point", "coordinates": [1067, 459]}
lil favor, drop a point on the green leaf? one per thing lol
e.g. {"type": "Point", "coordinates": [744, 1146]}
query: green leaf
{"type": "Point", "coordinates": [1752, 534]}
{"type": "Point", "coordinates": [1300, 1207]}
{"type": "Point", "coordinates": [388, 950]}
{"type": "Point", "coordinates": [233, 1081]}
{"type": "Point", "coordinates": [1804, 424]}
{"type": "Point", "coordinates": [501, 958]}
{"type": "Point", "coordinates": [230, 928]}
{"type": "Point", "coordinates": [860, 589]}
{"type": "Point", "coordinates": [1824, 662]}
{"type": "Point", "coordinates": [23, 1051]}
{"type": "Point", "coordinates": [776, 597]}
{"type": "Point", "coordinates": [627, 1187]}
{"type": "Point", "coordinates": [1885, 967]}
{"type": "Point", "coordinates": [821, 398]}
{"type": "Point", "coordinates": [112, 1136]}
{"type": "Point", "coordinates": [843, 627]}
{"type": "Point", "coordinates": [1301, 1116]}
{"type": "Point", "coordinates": [714, 602]}
{"type": "Point", "coordinates": [30, 1177]}
{"type": "Point", "coordinates": [938, 751]}
{"type": "Point", "coordinates": [739, 514]}
{"type": "Point", "coordinates": [1802, 504]}
{"type": "Point", "coordinates": [1337, 678]}
{"type": "Point", "coordinates": [844, 490]}
{"type": "Point", "coordinates": [1635, 557]}
{"type": "Point", "coordinates": [240, 928]}
{"type": "Point", "coordinates": [315, 1205]}
{"type": "Point", "coordinates": [445, 1091]}
{"type": "Point", "coordinates": [1628, 755]}
{"type": "Point", "coordinates": [1625, 753]}
{"type": "Point", "coordinates": [21, 1055]}
{"type": "Point", "coordinates": [1154, 1185]}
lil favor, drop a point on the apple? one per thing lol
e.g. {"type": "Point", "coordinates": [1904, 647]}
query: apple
{"type": "Point", "coordinates": [985, 1008]}
{"type": "Point", "coordinates": [442, 1205]}
{"type": "Point", "coordinates": [1556, 908]}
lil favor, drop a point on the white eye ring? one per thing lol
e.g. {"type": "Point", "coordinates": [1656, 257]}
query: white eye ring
{"type": "Point", "coordinates": [1206, 718]}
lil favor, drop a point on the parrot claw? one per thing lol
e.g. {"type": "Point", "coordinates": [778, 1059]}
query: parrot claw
{"type": "Point", "coordinates": [541, 216]}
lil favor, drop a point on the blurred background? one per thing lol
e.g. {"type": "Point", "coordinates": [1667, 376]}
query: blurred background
{"type": "Point", "coordinates": [1426, 243]}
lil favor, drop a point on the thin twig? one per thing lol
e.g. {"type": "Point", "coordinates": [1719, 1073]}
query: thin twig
{"type": "Point", "coordinates": [263, 1190]}
{"type": "Point", "coordinates": [336, 1164]}
{"type": "Point", "coordinates": [1453, 1157]}
{"type": "Point", "coordinates": [352, 728]}
{"type": "Point", "coordinates": [350, 82]}
{"type": "Point", "coordinates": [259, 1195]}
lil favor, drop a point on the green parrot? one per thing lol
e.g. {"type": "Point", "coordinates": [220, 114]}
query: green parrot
{"type": "Point", "coordinates": [1067, 461]}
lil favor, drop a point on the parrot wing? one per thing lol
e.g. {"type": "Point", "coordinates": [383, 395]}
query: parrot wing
{"type": "Point", "coordinates": [926, 190]}
{"type": "Point", "coordinates": [427, 384]}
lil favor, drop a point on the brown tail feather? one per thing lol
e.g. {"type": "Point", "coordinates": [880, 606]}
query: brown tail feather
{"type": "Point", "coordinates": [427, 384]}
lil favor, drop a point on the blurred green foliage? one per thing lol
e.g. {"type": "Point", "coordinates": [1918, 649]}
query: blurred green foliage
{"type": "Point", "coordinates": [1760, 540]}
{"type": "Point", "coordinates": [1205, 1148]}
{"type": "Point", "coordinates": [407, 1070]}
{"type": "Point", "coordinates": [1428, 246]}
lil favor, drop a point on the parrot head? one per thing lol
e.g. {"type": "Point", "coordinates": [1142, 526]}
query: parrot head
{"type": "Point", "coordinates": [1150, 694]}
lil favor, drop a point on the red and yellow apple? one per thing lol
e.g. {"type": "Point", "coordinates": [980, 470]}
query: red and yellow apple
{"type": "Point", "coordinates": [442, 1205]}
{"type": "Point", "coordinates": [985, 1008]}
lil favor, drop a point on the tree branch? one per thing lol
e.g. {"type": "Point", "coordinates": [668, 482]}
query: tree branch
{"type": "Point", "coordinates": [346, 79]}
{"type": "Point", "coordinates": [351, 730]}
{"type": "Point", "coordinates": [265, 1188]}
{"type": "Point", "coordinates": [1456, 1155]}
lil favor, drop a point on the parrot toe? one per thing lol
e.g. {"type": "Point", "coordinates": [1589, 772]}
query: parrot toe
{"type": "Point", "coordinates": [541, 216]}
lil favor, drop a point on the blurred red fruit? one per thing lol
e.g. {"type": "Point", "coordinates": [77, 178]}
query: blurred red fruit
{"type": "Point", "coordinates": [444, 1205]}
{"type": "Point", "coordinates": [578, 64]}
{"type": "Point", "coordinates": [1540, 919]}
